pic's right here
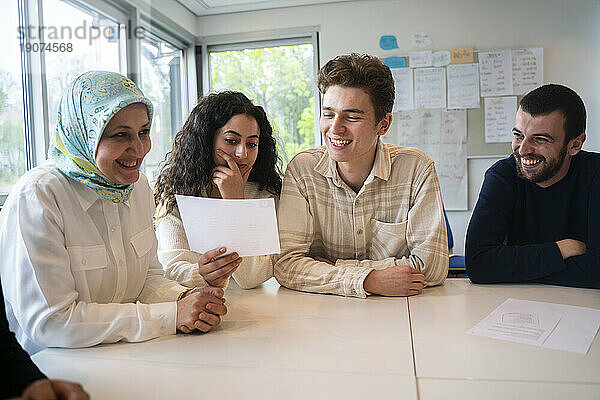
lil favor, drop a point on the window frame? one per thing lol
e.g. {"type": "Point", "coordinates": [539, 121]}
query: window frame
{"type": "Point", "coordinates": [259, 39]}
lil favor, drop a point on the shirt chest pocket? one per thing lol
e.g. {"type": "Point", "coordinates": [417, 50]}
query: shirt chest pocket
{"type": "Point", "coordinates": [388, 240]}
{"type": "Point", "coordinates": [88, 265]}
{"type": "Point", "coordinates": [142, 243]}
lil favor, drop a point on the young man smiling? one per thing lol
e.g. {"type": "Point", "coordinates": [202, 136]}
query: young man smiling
{"type": "Point", "coordinates": [538, 214]}
{"type": "Point", "coordinates": [358, 216]}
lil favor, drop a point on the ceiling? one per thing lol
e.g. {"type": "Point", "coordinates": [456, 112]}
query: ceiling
{"type": "Point", "coordinates": [211, 7]}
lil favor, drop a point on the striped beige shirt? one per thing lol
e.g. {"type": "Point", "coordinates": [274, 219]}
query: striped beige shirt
{"type": "Point", "coordinates": [395, 219]}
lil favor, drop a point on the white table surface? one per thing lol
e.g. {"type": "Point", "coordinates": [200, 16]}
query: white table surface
{"type": "Point", "coordinates": [441, 317]}
{"type": "Point", "coordinates": [465, 389]}
{"type": "Point", "coordinates": [272, 342]}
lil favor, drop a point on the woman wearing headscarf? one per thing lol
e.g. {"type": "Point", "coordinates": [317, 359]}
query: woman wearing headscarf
{"type": "Point", "coordinates": [225, 150]}
{"type": "Point", "coordinates": [78, 248]}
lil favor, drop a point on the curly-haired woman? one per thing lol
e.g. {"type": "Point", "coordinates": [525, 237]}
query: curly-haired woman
{"type": "Point", "coordinates": [225, 149]}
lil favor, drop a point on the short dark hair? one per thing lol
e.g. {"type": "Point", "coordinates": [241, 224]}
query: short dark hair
{"type": "Point", "coordinates": [364, 72]}
{"type": "Point", "coordinates": [188, 166]}
{"type": "Point", "coordinates": [552, 97]}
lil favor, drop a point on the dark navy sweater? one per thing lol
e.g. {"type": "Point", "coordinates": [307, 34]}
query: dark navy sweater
{"type": "Point", "coordinates": [515, 225]}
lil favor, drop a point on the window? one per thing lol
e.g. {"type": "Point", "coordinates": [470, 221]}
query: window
{"type": "Point", "coordinates": [278, 75]}
{"type": "Point", "coordinates": [95, 46]}
{"type": "Point", "coordinates": [161, 82]}
{"type": "Point", "coordinates": [13, 159]}
{"type": "Point", "coordinates": [79, 36]}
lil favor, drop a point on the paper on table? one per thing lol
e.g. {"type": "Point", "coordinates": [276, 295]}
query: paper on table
{"type": "Point", "coordinates": [248, 227]}
{"type": "Point", "coordinates": [554, 326]}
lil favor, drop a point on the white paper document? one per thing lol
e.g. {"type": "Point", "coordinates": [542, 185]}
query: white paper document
{"type": "Point", "coordinates": [495, 73]}
{"type": "Point", "coordinates": [527, 69]}
{"type": "Point", "coordinates": [554, 326]}
{"type": "Point", "coordinates": [463, 86]}
{"type": "Point", "coordinates": [442, 135]}
{"type": "Point", "coordinates": [440, 58]}
{"type": "Point", "coordinates": [430, 87]}
{"type": "Point", "coordinates": [417, 59]}
{"type": "Point", "coordinates": [403, 83]}
{"type": "Point", "coordinates": [499, 118]}
{"type": "Point", "coordinates": [248, 227]}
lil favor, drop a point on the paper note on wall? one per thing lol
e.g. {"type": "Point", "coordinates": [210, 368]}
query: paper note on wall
{"type": "Point", "coordinates": [388, 42]}
{"type": "Point", "coordinates": [499, 118]}
{"type": "Point", "coordinates": [420, 39]}
{"type": "Point", "coordinates": [403, 83]}
{"type": "Point", "coordinates": [417, 59]}
{"type": "Point", "coordinates": [440, 58]}
{"type": "Point", "coordinates": [461, 55]}
{"type": "Point", "coordinates": [430, 88]}
{"type": "Point", "coordinates": [527, 69]}
{"type": "Point", "coordinates": [495, 73]}
{"type": "Point", "coordinates": [442, 135]}
{"type": "Point", "coordinates": [463, 86]}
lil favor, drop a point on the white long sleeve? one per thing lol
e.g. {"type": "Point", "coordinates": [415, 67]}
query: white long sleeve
{"type": "Point", "coordinates": [78, 270]}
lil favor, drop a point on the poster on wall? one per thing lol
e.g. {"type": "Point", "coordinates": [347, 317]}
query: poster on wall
{"type": "Point", "coordinates": [430, 87]}
{"type": "Point", "coordinates": [442, 135]}
{"type": "Point", "coordinates": [499, 118]}
{"type": "Point", "coordinates": [527, 69]}
{"type": "Point", "coordinates": [495, 73]}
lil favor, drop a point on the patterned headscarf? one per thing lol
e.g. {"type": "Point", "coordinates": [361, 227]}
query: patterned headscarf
{"type": "Point", "coordinates": [84, 111]}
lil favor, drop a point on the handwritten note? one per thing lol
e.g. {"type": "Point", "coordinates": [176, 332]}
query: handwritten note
{"type": "Point", "coordinates": [495, 73]}
{"type": "Point", "coordinates": [554, 326]}
{"type": "Point", "coordinates": [403, 83]}
{"type": "Point", "coordinates": [463, 86]}
{"type": "Point", "coordinates": [527, 69]}
{"type": "Point", "coordinates": [417, 59]}
{"type": "Point", "coordinates": [499, 118]}
{"type": "Point", "coordinates": [442, 135]}
{"type": "Point", "coordinates": [430, 88]}
{"type": "Point", "coordinates": [440, 58]}
{"type": "Point", "coordinates": [420, 39]}
{"type": "Point", "coordinates": [461, 55]}
{"type": "Point", "coordinates": [248, 227]}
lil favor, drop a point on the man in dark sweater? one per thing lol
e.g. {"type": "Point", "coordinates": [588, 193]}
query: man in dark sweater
{"type": "Point", "coordinates": [21, 377]}
{"type": "Point", "coordinates": [538, 214]}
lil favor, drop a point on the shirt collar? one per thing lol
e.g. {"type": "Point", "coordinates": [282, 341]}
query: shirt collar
{"type": "Point", "coordinates": [382, 166]}
{"type": "Point", "coordinates": [87, 196]}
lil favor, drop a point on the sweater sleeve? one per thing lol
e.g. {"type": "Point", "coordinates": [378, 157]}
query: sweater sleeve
{"type": "Point", "coordinates": [584, 270]}
{"type": "Point", "coordinates": [488, 258]}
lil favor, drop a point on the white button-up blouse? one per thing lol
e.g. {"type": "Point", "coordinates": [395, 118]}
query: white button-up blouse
{"type": "Point", "coordinates": [78, 270]}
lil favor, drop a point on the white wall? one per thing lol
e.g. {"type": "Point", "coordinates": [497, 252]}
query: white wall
{"type": "Point", "coordinates": [569, 32]}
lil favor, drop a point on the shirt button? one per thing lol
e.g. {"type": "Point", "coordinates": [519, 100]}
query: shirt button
{"type": "Point", "coordinates": [120, 263]}
{"type": "Point", "coordinates": [359, 232]}
{"type": "Point", "coordinates": [113, 228]}
{"type": "Point", "coordinates": [83, 261]}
